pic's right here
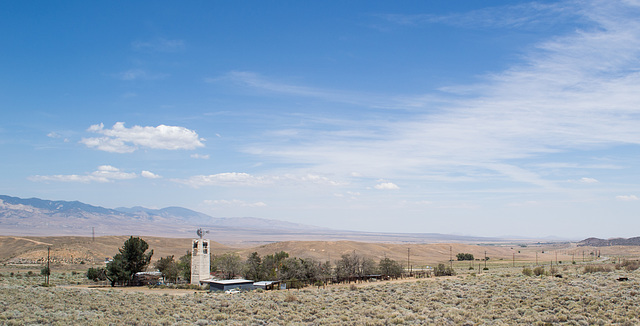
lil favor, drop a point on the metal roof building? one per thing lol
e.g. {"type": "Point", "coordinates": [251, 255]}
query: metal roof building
{"type": "Point", "coordinates": [224, 285]}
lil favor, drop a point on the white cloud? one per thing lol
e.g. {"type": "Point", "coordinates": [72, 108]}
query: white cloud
{"type": "Point", "coordinates": [120, 139]}
{"type": "Point", "coordinates": [200, 156]}
{"type": "Point", "coordinates": [627, 198]}
{"type": "Point", "coordinates": [234, 203]}
{"type": "Point", "coordinates": [104, 173]}
{"type": "Point", "coordinates": [386, 186]}
{"type": "Point", "coordinates": [149, 175]}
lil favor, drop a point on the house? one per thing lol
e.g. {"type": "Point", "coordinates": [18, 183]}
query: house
{"type": "Point", "coordinates": [224, 285]}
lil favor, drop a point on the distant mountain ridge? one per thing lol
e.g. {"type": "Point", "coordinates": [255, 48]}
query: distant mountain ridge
{"type": "Point", "coordinates": [39, 217]}
{"type": "Point", "coordinates": [55, 206]}
{"type": "Point", "coordinates": [595, 242]}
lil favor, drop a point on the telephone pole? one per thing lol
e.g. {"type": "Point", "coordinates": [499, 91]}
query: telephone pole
{"type": "Point", "coordinates": [409, 260]}
{"type": "Point", "coordinates": [48, 258]}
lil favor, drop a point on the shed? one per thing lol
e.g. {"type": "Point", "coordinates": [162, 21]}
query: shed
{"type": "Point", "coordinates": [266, 285]}
{"type": "Point", "coordinates": [224, 285]}
{"type": "Point", "coordinates": [147, 278]}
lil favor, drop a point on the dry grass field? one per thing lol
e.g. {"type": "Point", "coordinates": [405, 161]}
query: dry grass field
{"type": "Point", "coordinates": [497, 297]}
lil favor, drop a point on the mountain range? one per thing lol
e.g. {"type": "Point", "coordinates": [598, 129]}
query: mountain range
{"type": "Point", "coordinates": [39, 217]}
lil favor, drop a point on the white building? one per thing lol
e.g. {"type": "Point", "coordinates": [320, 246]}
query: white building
{"type": "Point", "coordinates": [200, 260]}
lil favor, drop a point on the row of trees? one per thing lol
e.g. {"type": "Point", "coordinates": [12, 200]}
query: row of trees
{"type": "Point", "coordinates": [280, 266]}
{"type": "Point", "coordinates": [133, 258]}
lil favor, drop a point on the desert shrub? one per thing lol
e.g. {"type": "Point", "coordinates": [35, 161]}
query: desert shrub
{"type": "Point", "coordinates": [96, 274]}
{"type": "Point", "coordinates": [527, 271]}
{"type": "Point", "coordinates": [471, 268]}
{"type": "Point", "coordinates": [442, 270]}
{"type": "Point", "coordinates": [629, 265]}
{"type": "Point", "coordinates": [596, 269]}
{"type": "Point", "coordinates": [538, 271]}
{"type": "Point", "coordinates": [290, 297]}
{"type": "Point", "coordinates": [353, 287]}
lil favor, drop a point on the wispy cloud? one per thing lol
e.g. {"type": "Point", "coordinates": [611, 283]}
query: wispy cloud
{"type": "Point", "coordinates": [139, 74]}
{"type": "Point", "coordinates": [509, 16]}
{"type": "Point", "coordinates": [247, 180]}
{"type": "Point", "coordinates": [627, 198]}
{"type": "Point", "coordinates": [120, 139]}
{"type": "Point", "coordinates": [200, 156]}
{"type": "Point", "coordinates": [234, 203]}
{"type": "Point", "coordinates": [574, 92]}
{"type": "Point", "coordinates": [386, 186]}
{"type": "Point", "coordinates": [159, 45]}
{"type": "Point", "coordinates": [264, 84]}
{"type": "Point", "coordinates": [104, 173]}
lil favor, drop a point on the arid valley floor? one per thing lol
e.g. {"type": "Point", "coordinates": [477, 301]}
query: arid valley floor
{"type": "Point", "coordinates": [499, 295]}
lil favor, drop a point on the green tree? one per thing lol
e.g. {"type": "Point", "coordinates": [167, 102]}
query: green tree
{"type": "Point", "coordinates": [272, 265]}
{"type": "Point", "coordinates": [169, 268]}
{"type": "Point", "coordinates": [184, 267]}
{"type": "Point", "coordinates": [442, 270]}
{"type": "Point", "coordinates": [464, 256]}
{"type": "Point", "coordinates": [390, 267]}
{"type": "Point", "coordinates": [115, 271]}
{"type": "Point", "coordinates": [229, 265]}
{"type": "Point", "coordinates": [131, 259]}
{"type": "Point", "coordinates": [96, 274]}
{"type": "Point", "coordinates": [253, 268]}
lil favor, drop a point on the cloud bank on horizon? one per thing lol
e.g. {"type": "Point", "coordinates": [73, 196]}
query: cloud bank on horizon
{"type": "Point", "coordinates": [468, 118]}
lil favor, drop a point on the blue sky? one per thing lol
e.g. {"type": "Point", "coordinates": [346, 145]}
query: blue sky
{"type": "Point", "coordinates": [484, 118]}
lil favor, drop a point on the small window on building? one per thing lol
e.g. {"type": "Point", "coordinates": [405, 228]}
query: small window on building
{"type": "Point", "coordinates": [195, 245]}
{"type": "Point", "coordinates": [205, 244]}
{"type": "Point", "coordinates": [205, 251]}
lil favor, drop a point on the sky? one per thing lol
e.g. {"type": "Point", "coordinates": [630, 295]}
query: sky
{"type": "Point", "coordinates": [484, 118]}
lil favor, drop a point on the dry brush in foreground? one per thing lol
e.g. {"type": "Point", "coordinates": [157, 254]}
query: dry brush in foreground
{"type": "Point", "coordinates": [487, 299]}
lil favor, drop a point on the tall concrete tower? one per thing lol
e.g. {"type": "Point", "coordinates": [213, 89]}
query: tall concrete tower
{"type": "Point", "coordinates": [200, 258]}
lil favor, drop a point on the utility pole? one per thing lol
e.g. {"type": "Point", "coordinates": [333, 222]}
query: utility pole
{"type": "Point", "coordinates": [485, 259]}
{"type": "Point", "coordinates": [514, 259]}
{"type": "Point", "coordinates": [48, 258]}
{"type": "Point", "coordinates": [93, 234]}
{"type": "Point", "coordinates": [409, 260]}
{"type": "Point", "coordinates": [450, 257]}
{"type": "Point", "coordinates": [536, 258]}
